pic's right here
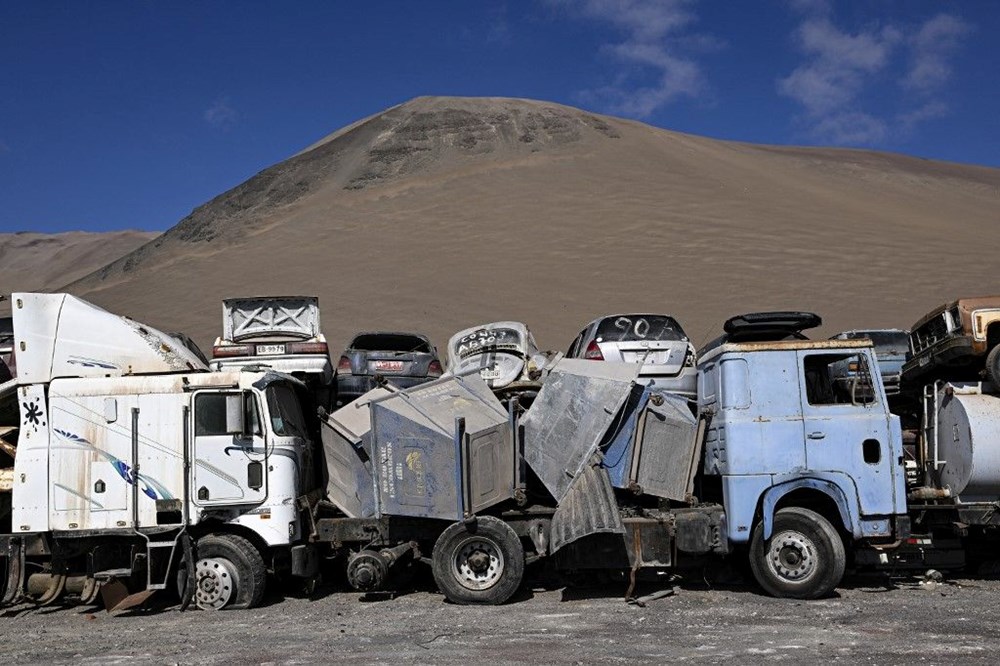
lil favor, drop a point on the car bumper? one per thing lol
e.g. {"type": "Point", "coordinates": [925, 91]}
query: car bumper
{"type": "Point", "coordinates": [684, 384]}
{"type": "Point", "coordinates": [319, 366]}
{"type": "Point", "coordinates": [941, 355]}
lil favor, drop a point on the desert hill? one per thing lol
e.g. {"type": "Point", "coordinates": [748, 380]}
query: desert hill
{"type": "Point", "coordinates": [43, 262]}
{"type": "Point", "coordinates": [446, 212]}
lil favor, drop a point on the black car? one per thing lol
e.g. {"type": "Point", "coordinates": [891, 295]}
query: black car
{"type": "Point", "coordinates": [402, 359]}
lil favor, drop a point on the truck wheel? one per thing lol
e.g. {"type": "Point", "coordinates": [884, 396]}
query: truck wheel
{"type": "Point", "coordinates": [479, 563]}
{"type": "Point", "coordinates": [229, 573]}
{"type": "Point", "coordinates": [993, 366]}
{"type": "Point", "coordinates": [803, 559]}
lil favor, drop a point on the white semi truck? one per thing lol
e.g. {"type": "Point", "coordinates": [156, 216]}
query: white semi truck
{"type": "Point", "coordinates": [132, 468]}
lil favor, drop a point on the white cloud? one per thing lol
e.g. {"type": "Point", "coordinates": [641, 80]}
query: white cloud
{"type": "Point", "coordinates": [220, 114]}
{"type": "Point", "coordinates": [839, 68]}
{"type": "Point", "coordinates": [931, 48]}
{"type": "Point", "coordinates": [656, 50]}
{"type": "Point", "coordinates": [909, 120]}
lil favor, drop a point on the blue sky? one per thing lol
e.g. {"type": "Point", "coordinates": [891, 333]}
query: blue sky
{"type": "Point", "coordinates": [121, 115]}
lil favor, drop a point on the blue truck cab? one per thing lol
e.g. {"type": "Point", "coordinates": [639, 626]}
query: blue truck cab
{"type": "Point", "coordinates": [809, 467]}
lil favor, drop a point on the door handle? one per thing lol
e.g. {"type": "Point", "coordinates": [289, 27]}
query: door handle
{"type": "Point", "coordinates": [816, 435]}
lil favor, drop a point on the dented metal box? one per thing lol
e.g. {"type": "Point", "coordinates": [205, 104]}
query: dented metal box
{"type": "Point", "coordinates": [441, 450]}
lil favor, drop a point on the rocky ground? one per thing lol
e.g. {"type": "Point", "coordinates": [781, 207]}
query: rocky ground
{"type": "Point", "coordinates": [868, 620]}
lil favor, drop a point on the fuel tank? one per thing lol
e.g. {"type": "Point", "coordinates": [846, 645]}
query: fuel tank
{"type": "Point", "coordinates": [968, 437]}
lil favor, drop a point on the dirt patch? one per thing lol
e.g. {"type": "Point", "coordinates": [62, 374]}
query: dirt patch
{"type": "Point", "coordinates": [867, 620]}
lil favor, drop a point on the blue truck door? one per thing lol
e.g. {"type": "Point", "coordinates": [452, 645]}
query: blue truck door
{"type": "Point", "coordinates": [847, 427]}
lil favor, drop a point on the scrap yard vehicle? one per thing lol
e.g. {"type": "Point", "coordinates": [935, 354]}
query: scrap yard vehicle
{"type": "Point", "coordinates": [655, 341]}
{"type": "Point", "coordinates": [959, 340]}
{"type": "Point", "coordinates": [133, 468]}
{"type": "Point", "coordinates": [404, 359]}
{"type": "Point", "coordinates": [277, 332]}
{"type": "Point", "coordinates": [782, 464]}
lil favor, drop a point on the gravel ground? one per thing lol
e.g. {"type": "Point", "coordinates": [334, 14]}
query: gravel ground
{"type": "Point", "coordinates": [868, 620]}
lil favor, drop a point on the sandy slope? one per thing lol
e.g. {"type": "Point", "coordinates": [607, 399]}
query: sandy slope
{"type": "Point", "coordinates": [445, 212]}
{"type": "Point", "coordinates": [32, 261]}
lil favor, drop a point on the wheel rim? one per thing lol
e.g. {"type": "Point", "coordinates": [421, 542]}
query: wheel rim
{"type": "Point", "coordinates": [216, 583]}
{"type": "Point", "coordinates": [791, 556]}
{"type": "Point", "coordinates": [478, 564]}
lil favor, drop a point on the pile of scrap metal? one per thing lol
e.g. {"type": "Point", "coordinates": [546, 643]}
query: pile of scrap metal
{"type": "Point", "coordinates": [450, 450]}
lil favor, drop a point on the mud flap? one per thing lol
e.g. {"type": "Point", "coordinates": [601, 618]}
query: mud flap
{"type": "Point", "coordinates": [117, 599]}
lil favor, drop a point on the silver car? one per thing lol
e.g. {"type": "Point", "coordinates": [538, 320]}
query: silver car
{"type": "Point", "coordinates": [656, 341]}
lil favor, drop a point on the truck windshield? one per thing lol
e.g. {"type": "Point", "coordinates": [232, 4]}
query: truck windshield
{"type": "Point", "coordinates": [630, 328]}
{"type": "Point", "coordinates": [285, 411]}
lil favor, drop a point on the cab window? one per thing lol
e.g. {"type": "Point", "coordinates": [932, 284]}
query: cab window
{"type": "Point", "coordinates": [224, 414]}
{"type": "Point", "coordinates": [838, 379]}
{"type": "Point", "coordinates": [285, 412]}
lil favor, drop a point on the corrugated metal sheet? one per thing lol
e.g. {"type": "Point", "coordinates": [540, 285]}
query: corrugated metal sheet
{"type": "Point", "coordinates": [665, 457]}
{"type": "Point", "coordinates": [589, 507]}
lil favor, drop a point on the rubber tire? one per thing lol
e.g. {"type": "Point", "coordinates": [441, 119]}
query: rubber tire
{"type": "Point", "coordinates": [503, 538]}
{"type": "Point", "coordinates": [993, 366]}
{"type": "Point", "coordinates": [832, 558]}
{"type": "Point", "coordinates": [251, 573]}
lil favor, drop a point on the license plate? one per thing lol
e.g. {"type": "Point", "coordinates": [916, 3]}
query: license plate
{"type": "Point", "coordinates": [490, 373]}
{"type": "Point", "coordinates": [270, 350]}
{"type": "Point", "coordinates": [389, 366]}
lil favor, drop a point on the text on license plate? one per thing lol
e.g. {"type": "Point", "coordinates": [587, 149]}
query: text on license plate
{"type": "Point", "coordinates": [389, 366]}
{"type": "Point", "coordinates": [490, 373]}
{"type": "Point", "coordinates": [266, 350]}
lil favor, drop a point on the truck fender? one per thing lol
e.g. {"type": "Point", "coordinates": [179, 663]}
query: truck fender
{"type": "Point", "coordinates": [828, 488]}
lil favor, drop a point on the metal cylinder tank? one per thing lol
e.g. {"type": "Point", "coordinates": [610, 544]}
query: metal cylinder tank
{"type": "Point", "coordinates": [969, 444]}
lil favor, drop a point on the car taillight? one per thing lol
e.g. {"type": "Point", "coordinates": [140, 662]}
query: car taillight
{"type": "Point", "coordinates": [434, 369]}
{"type": "Point", "coordinates": [344, 365]}
{"type": "Point", "coordinates": [226, 351]}
{"type": "Point", "coordinates": [306, 348]}
{"type": "Point", "coordinates": [593, 352]}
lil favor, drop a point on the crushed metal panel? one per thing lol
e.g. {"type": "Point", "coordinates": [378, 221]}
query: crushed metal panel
{"type": "Point", "coordinates": [347, 448]}
{"type": "Point", "coordinates": [578, 403]}
{"type": "Point", "coordinates": [618, 446]}
{"type": "Point", "coordinates": [420, 468]}
{"type": "Point", "coordinates": [588, 507]}
{"type": "Point", "coordinates": [664, 459]}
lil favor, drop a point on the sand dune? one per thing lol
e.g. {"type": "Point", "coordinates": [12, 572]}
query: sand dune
{"type": "Point", "coordinates": [445, 212]}
{"type": "Point", "coordinates": [31, 261]}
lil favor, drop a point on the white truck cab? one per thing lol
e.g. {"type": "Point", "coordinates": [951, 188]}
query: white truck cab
{"type": "Point", "coordinates": [129, 451]}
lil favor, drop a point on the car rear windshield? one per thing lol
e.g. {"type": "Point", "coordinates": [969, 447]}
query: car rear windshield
{"type": "Point", "coordinates": [639, 327]}
{"type": "Point", "coordinates": [390, 342]}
